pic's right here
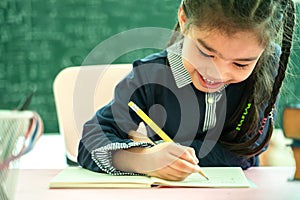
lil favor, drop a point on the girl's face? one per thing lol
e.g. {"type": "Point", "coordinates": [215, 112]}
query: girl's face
{"type": "Point", "coordinates": [214, 59]}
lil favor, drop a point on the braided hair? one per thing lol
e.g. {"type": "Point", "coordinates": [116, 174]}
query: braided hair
{"type": "Point", "coordinates": [273, 22]}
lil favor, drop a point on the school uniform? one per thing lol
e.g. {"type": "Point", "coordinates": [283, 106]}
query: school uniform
{"type": "Point", "coordinates": [160, 85]}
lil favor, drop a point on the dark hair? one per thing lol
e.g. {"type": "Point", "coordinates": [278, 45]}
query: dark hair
{"type": "Point", "coordinates": [273, 22]}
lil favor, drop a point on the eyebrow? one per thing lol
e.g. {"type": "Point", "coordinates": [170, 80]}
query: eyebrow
{"type": "Point", "coordinates": [206, 46]}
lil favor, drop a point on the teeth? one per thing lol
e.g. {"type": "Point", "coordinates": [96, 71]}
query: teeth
{"type": "Point", "coordinates": [208, 81]}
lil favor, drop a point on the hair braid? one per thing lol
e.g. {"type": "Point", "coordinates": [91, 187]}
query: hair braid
{"type": "Point", "coordinates": [288, 29]}
{"type": "Point", "coordinates": [287, 38]}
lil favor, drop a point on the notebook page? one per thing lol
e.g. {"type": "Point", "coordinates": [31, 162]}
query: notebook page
{"type": "Point", "coordinates": [77, 177]}
{"type": "Point", "coordinates": [218, 177]}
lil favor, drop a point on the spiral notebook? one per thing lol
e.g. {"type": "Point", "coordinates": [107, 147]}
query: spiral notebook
{"type": "Point", "coordinates": [77, 177]}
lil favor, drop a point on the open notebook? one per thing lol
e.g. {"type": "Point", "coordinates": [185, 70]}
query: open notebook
{"type": "Point", "coordinates": [77, 177]}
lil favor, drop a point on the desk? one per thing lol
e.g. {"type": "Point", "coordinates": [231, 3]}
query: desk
{"type": "Point", "coordinates": [271, 183]}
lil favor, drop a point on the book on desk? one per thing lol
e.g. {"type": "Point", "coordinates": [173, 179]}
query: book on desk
{"type": "Point", "coordinates": [77, 177]}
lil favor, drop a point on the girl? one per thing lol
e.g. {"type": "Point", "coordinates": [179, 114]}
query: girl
{"type": "Point", "coordinates": [213, 91]}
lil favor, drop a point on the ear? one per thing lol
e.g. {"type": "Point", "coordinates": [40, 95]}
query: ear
{"type": "Point", "coordinates": [182, 19]}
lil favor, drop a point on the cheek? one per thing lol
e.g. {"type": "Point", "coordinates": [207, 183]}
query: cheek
{"type": "Point", "coordinates": [242, 74]}
{"type": "Point", "coordinates": [188, 66]}
{"type": "Point", "coordinates": [190, 56]}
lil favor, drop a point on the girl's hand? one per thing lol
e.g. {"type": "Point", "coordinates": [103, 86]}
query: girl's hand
{"type": "Point", "coordinates": [166, 160]}
{"type": "Point", "coordinates": [169, 161]}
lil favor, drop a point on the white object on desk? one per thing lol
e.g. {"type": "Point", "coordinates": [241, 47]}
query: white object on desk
{"type": "Point", "coordinates": [48, 153]}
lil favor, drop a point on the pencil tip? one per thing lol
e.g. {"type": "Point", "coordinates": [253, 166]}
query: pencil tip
{"type": "Point", "coordinates": [202, 174]}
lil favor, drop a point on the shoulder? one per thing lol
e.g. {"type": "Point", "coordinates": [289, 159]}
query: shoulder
{"type": "Point", "coordinates": [156, 58]}
{"type": "Point", "coordinates": [152, 69]}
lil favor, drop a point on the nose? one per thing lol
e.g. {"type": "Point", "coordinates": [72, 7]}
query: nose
{"type": "Point", "coordinates": [221, 69]}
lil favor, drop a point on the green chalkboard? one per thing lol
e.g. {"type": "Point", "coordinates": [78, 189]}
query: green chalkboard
{"type": "Point", "coordinates": [39, 38]}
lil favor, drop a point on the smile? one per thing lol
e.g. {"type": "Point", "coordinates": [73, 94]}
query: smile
{"type": "Point", "coordinates": [210, 84]}
{"type": "Point", "coordinates": [208, 81]}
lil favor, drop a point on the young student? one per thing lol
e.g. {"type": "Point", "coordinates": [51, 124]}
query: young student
{"type": "Point", "coordinates": [213, 91]}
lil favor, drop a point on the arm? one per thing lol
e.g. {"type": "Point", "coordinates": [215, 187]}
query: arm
{"type": "Point", "coordinates": [166, 160]}
{"type": "Point", "coordinates": [97, 145]}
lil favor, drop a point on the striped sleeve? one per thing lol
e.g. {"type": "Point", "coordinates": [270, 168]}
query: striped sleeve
{"type": "Point", "coordinates": [103, 156]}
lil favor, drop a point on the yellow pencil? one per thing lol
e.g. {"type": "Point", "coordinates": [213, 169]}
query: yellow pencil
{"type": "Point", "coordinates": [154, 126]}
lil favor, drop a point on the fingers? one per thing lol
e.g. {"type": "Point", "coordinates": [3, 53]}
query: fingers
{"type": "Point", "coordinates": [181, 159]}
{"type": "Point", "coordinates": [193, 154]}
{"type": "Point", "coordinates": [169, 161]}
{"type": "Point", "coordinates": [185, 153]}
{"type": "Point", "coordinates": [189, 155]}
{"type": "Point", "coordinates": [169, 173]}
{"type": "Point", "coordinates": [182, 166]}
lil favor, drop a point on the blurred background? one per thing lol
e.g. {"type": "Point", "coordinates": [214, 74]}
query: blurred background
{"type": "Point", "coordinates": [39, 38]}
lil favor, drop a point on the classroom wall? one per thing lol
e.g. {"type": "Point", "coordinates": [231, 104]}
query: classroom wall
{"type": "Point", "coordinates": [39, 38]}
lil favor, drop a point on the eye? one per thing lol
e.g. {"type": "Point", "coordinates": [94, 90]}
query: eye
{"type": "Point", "coordinates": [205, 55]}
{"type": "Point", "coordinates": [241, 65]}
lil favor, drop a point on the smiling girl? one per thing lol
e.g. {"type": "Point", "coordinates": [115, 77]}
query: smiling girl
{"type": "Point", "coordinates": [213, 91]}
